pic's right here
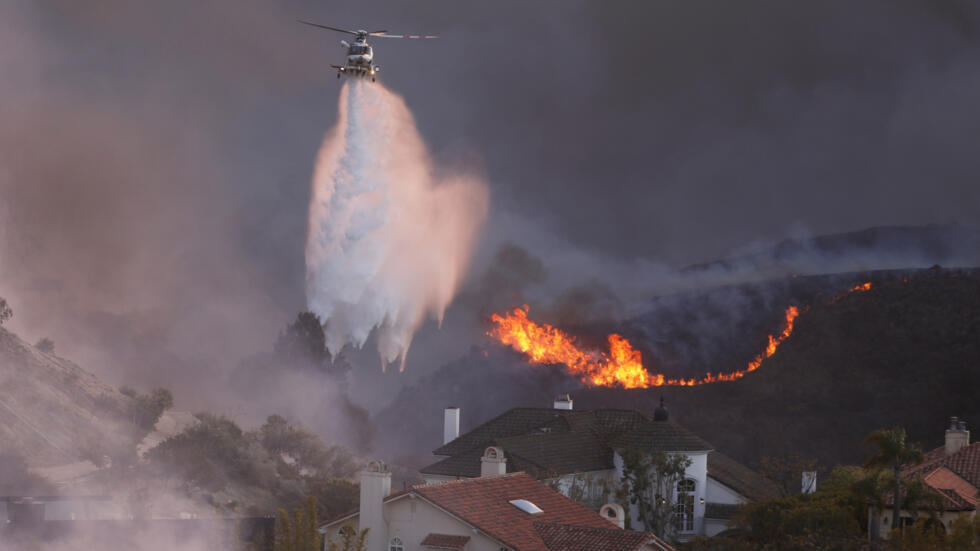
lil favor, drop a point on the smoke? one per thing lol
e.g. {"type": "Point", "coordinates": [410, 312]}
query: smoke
{"type": "Point", "coordinates": [390, 233]}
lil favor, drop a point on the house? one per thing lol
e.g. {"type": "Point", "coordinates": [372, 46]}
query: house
{"type": "Point", "coordinates": [506, 512]}
{"type": "Point", "coordinates": [951, 472]}
{"type": "Point", "coordinates": [580, 452]}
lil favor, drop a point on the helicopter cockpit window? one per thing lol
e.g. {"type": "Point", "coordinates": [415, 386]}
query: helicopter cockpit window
{"type": "Point", "coordinates": [358, 49]}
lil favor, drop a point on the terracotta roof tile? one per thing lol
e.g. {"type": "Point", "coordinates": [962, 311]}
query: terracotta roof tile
{"type": "Point", "coordinates": [561, 537]}
{"type": "Point", "coordinates": [445, 541]}
{"type": "Point", "coordinates": [485, 504]}
{"type": "Point", "coordinates": [965, 463]}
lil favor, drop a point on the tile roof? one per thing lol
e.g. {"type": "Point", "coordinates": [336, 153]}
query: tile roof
{"type": "Point", "coordinates": [484, 503]}
{"type": "Point", "coordinates": [965, 463]}
{"type": "Point", "coordinates": [740, 478]}
{"type": "Point", "coordinates": [445, 541]}
{"type": "Point", "coordinates": [577, 538]}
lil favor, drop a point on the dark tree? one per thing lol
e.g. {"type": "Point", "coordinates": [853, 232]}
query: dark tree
{"type": "Point", "coordinates": [303, 344]}
{"type": "Point", "coordinates": [893, 453]}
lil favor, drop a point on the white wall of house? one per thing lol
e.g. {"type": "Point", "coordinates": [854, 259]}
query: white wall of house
{"type": "Point", "coordinates": [719, 493]}
{"type": "Point", "coordinates": [411, 519]}
{"type": "Point", "coordinates": [697, 471]}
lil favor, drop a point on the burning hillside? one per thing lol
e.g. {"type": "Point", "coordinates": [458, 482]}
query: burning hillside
{"type": "Point", "coordinates": [622, 366]}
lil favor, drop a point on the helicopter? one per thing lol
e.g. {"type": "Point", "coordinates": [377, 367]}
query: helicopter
{"type": "Point", "coordinates": [360, 55]}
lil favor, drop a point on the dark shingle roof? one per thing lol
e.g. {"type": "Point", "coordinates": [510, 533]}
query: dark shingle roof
{"type": "Point", "coordinates": [665, 436]}
{"type": "Point", "coordinates": [720, 511]}
{"type": "Point", "coordinates": [540, 441]}
{"type": "Point", "coordinates": [559, 537]}
{"type": "Point", "coordinates": [510, 423]}
{"type": "Point", "coordinates": [445, 541]}
{"type": "Point", "coordinates": [740, 478]}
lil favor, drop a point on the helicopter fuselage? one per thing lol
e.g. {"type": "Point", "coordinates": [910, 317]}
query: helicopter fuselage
{"type": "Point", "coordinates": [360, 60]}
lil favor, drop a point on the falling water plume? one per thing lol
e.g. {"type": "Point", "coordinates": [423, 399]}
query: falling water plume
{"type": "Point", "coordinates": [390, 235]}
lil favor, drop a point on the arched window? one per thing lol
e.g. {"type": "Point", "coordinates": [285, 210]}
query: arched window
{"type": "Point", "coordinates": [684, 505]}
{"type": "Point", "coordinates": [396, 545]}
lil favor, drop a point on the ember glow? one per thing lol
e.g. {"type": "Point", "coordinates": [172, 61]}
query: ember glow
{"type": "Point", "coordinates": [622, 366]}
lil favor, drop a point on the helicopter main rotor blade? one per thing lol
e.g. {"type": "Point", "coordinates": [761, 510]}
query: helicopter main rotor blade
{"type": "Point", "coordinates": [310, 23]}
{"type": "Point", "coordinates": [377, 32]}
{"type": "Point", "coordinates": [405, 35]}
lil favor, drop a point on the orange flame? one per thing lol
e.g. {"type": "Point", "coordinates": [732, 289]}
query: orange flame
{"type": "Point", "coordinates": [622, 366]}
{"type": "Point", "coordinates": [866, 286]}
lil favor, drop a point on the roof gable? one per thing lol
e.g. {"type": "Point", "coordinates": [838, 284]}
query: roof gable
{"type": "Point", "coordinates": [484, 503]}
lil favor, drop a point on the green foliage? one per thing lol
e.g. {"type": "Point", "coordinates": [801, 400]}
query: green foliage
{"type": "Point", "coordinates": [786, 472]}
{"type": "Point", "coordinates": [311, 456]}
{"type": "Point", "coordinates": [334, 496]}
{"type": "Point", "coordinates": [893, 452]}
{"type": "Point", "coordinates": [823, 520]}
{"type": "Point", "coordinates": [926, 535]}
{"type": "Point", "coordinates": [349, 540]}
{"type": "Point", "coordinates": [212, 453]}
{"type": "Point", "coordinates": [300, 531]}
{"type": "Point", "coordinates": [45, 345]}
{"type": "Point", "coordinates": [5, 312]}
{"type": "Point", "coordinates": [145, 409]}
{"type": "Point", "coordinates": [649, 482]}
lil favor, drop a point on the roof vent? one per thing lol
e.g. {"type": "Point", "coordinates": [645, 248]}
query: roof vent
{"type": "Point", "coordinates": [526, 506]}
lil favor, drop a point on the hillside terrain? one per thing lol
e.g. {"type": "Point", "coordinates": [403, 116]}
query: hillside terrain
{"type": "Point", "coordinates": [54, 412]}
{"type": "Point", "coordinates": [906, 352]}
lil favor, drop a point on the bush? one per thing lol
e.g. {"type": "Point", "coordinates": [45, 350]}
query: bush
{"type": "Point", "coordinates": [45, 345]}
{"type": "Point", "coordinates": [145, 409]}
{"type": "Point", "coordinates": [5, 312]}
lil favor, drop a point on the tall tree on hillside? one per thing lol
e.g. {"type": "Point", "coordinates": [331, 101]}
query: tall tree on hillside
{"type": "Point", "coordinates": [895, 453]}
{"type": "Point", "coordinates": [304, 344]}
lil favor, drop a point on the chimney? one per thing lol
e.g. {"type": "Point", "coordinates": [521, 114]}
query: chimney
{"type": "Point", "coordinates": [375, 487]}
{"type": "Point", "coordinates": [614, 513]}
{"type": "Point", "coordinates": [957, 437]}
{"type": "Point", "coordinates": [493, 461]}
{"type": "Point", "coordinates": [450, 425]}
{"type": "Point", "coordinates": [809, 480]}
{"type": "Point", "coordinates": [563, 402]}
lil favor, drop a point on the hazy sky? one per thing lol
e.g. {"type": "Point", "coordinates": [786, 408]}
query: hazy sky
{"type": "Point", "coordinates": [155, 158]}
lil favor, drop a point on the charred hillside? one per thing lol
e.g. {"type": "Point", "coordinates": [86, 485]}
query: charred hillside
{"type": "Point", "coordinates": [906, 352]}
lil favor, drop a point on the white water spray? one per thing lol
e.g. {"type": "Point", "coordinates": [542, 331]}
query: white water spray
{"type": "Point", "coordinates": [388, 240]}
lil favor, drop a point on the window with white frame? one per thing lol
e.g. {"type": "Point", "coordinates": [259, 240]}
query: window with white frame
{"type": "Point", "coordinates": [684, 505]}
{"type": "Point", "coordinates": [396, 545]}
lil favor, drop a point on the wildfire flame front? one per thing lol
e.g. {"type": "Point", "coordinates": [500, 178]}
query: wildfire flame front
{"type": "Point", "coordinates": [622, 366]}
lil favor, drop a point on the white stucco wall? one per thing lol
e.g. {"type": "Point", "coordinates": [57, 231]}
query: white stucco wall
{"type": "Point", "coordinates": [411, 519]}
{"type": "Point", "coordinates": [697, 471]}
{"type": "Point", "coordinates": [719, 493]}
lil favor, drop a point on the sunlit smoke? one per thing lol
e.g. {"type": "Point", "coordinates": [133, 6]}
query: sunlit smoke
{"type": "Point", "coordinates": [389, 235]}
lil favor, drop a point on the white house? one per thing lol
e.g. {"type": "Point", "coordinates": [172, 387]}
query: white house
{"type": "Point", "coordinates": [580, 452]}
{"type": "Point", "coordinates": [506, 512]}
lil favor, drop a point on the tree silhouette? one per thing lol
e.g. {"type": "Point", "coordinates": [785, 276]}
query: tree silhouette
{"type": "Point", "coordinates": [895, 453]}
